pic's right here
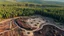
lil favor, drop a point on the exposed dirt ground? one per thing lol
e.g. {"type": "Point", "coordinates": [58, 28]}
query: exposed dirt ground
{"type": "Point", "coordinates": [31, 26]}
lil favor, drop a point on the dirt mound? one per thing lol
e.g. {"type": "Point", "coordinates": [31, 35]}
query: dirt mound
{"type": "Point", "coordinates": [49, 30]}
{"type": "Point", "coordinates": [22, 23]}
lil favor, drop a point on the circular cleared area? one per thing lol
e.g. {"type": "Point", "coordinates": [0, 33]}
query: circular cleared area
{"type": "Point", "coordinates": [31, 23]}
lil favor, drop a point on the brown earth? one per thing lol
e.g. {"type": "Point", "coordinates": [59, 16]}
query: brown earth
{"type": "Point", "coordinates": [23, 24]}
{"type": "Point", "coordinates": [49, 30]}
{"type": "Point", "coordinates": [14, 30]}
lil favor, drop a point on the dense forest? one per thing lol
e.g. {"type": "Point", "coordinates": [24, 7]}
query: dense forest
{"type": "Point", "coordinates": [14, 10]}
